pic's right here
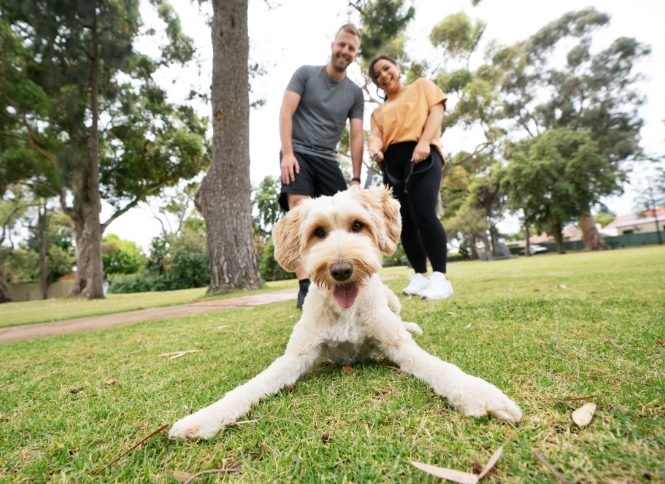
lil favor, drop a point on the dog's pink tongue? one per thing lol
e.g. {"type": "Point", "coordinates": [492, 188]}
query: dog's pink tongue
{"type": "Point", "coordinates": [346, 295]}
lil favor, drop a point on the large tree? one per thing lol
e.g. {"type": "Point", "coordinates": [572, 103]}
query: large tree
{"type": "Point", "coordinates": [83, 67]}
{"type": "Point", "coordinates": [592, 92]}
{"type": "Point", "coordinates": [224, 196]}
{"type": "Point", "coordinates": [555, 176]}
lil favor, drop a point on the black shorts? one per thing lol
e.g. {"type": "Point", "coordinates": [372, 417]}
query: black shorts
{"type": "Point", "coordinates": [318, 176]}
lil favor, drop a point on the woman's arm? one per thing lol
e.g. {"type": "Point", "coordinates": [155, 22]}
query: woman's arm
{"type": "Point", "coordinates": [375, 144]}
{"type": "Point", "coordinates": [432, 125]}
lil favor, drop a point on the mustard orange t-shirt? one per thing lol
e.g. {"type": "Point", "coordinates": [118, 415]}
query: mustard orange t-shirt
{"type": "Point", "coordinates": [403, 118]}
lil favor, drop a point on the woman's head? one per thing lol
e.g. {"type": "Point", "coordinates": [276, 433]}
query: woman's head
{"type": "Point", "coordinates": [373, 68]}
{"type": "Point", "coordinates": [386, 75]}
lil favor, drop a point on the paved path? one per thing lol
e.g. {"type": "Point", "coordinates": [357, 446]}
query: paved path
{"type": "Point", "coordinates": [43, 330]}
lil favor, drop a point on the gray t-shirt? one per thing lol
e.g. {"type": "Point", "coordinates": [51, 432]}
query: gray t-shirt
{"type": "Point", "coordinates": [324, 107]}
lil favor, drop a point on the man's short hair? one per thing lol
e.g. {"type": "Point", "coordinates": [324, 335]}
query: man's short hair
{"type": "Point", "coordinates": [349, 29]}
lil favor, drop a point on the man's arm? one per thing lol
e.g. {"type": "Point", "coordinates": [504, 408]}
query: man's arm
{"type": "Point", "coordinates": [356, 143]}
{"type": "Point", "coordinates": [289, 165]}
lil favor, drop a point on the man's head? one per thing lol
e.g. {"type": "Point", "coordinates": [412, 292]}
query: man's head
{"type": "Point", "coordinates": [345, 48]}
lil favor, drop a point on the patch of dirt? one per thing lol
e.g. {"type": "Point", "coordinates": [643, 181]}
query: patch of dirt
{"type": "Point", "coordinates": [54, 328]}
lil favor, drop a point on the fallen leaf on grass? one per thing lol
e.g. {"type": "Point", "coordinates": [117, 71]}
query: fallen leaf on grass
{"type": "Point", "coordinates": [459, 476]}
{"type": "Point", "coordinates": [583, 415]}
{"type": "Point", "coordinates": [491, 463]}
{"type": "Point", "coordinates": [443, 473]}
{"type": "Point", "coordinates": [177, 354]}
{"type": "Point", "coordinates": [347, 369]}
{"type": "Point", "coordinates": [186, 477]}
{"type": "Point", "coordinates": [181, 476]}
{"type": "Point", "coordinates": [140, 442]}
{"type": "Point", "coordinates": [111, 381]}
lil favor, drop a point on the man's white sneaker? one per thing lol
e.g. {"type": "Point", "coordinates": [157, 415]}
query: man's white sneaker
{"type": "Point", "coordinates": [417, 283]}
{"type": "Point", "coordinates": [439, 287]}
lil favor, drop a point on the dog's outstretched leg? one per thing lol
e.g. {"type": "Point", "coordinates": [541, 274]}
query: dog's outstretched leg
{"type": "Point", "coordinates": [472, 395]}
{"type": "Point", "coordinates": [205, 423]}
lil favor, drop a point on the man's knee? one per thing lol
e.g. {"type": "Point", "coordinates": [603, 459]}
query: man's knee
{"type": "Point", "coordinates": [295, 199]}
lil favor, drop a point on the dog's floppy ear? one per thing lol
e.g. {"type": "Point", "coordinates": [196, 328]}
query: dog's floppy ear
{"type": "Point", "coordinates": [286, 239]}
{"type": "Point", "coordinates": [385, 213]}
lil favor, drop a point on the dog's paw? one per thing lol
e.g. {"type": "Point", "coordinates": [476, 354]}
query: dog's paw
{"type": "Point", "coordinates": [203, 424]}
{"type": "Point", "coordinates": [477, 398]}
{"type": "Point", "coordinates": [412, 328]}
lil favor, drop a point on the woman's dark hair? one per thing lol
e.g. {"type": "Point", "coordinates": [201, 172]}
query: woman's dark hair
{"type": "Point", "coordinates": [372, 74]}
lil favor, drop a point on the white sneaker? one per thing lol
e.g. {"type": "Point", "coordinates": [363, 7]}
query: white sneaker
{"type": "Point", "coordinates": [439, 287]}
{"type": "Point", "coordinates": [417, 283]}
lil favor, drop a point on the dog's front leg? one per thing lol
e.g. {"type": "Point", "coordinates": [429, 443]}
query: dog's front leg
{"type": "Point", "coordinates": [472, 395]}
{"type": "Point", "coordinates": [205, 423]}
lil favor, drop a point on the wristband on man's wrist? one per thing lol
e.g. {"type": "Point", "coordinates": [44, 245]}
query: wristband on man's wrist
{"type": "Point", "coordinates": [356, 179]}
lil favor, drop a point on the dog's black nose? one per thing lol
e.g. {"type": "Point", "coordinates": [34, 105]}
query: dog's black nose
{"type": "Point", "coordinates": [341, 271]}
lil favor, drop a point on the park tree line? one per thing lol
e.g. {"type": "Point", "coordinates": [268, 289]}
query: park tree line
{"type": "Point", "coordinates": [83, 120]}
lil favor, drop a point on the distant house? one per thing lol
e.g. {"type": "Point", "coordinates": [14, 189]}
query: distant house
{"type": "Point", "coordinates": [636, 223]}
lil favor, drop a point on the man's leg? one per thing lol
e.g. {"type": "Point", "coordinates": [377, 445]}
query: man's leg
{"type": "Point", "coordinates": [295, 199]}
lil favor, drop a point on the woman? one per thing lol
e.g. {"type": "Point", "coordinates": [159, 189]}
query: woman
{"type": "Point", "coordinates": [405, 143]}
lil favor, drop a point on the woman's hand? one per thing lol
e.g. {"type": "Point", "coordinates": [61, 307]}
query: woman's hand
{"type": "Point", "coordinates": [420, 152]}
{"type": "Point", "coordinates": [375, 155]}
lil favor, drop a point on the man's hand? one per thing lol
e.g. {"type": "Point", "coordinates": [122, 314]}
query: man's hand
{"type": "Point", "coordinates": [289, 168]}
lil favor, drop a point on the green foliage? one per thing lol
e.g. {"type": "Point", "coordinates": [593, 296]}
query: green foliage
{"type": "Point", "coordinates": [267, 211]}
{"type": "Point", "coordinates": [176, 261]}
{"type": "Point", "coordinates": [383, 23]}
{"type": "Point", "coordinates": [457, 34]}
{"type": "Point", "coordinates": [604, 218]}
{"type": "Point", "coordinates": [592, 92]}
{"type": "Point", "coordinates": [555, 176]}
{"type": "Point", "coordinates": [22, 263]}
{"type": "Point", "coordinates": [46, 98]}
{"type": "Point", "coordinates": [268, 267]}
{"type": "Point", "coordinates": [121, 256]}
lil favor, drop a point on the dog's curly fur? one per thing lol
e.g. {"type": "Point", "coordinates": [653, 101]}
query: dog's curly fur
{"type": "Point", "coordinates": [349, 314]}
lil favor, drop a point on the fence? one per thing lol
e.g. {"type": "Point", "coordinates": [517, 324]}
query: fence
{"type": "Point", "coordinates": [30, 291]}
{"type": "Point", "coordinates": [613, 242]}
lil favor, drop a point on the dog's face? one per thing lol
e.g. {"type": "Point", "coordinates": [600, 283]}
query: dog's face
{"type": "Point", "coordinates": [339, 239]}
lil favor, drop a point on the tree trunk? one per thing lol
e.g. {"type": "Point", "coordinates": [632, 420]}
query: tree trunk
{"type": "Point", "coordinates": [590, 234]}
{"type": "Point", "coordinates": [89, 267]}
{"type": "Point", "coordinates": [224, 196]}
{"type": "Point", "coordinates": [4, 289]}
{"type": "Point", "coordinates": [557, 232]}
{"type": "Point", "coordinates": [41, 236]}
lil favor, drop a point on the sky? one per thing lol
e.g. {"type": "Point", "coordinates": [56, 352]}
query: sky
{"type": "Point", "coordinates": [285, 34]}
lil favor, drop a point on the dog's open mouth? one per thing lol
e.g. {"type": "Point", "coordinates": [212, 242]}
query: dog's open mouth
{"type": "Point", "coordinates": [346, 294]}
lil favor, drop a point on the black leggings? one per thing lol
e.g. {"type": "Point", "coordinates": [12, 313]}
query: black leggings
{"type": "Point", "coordinates": [423, 236]}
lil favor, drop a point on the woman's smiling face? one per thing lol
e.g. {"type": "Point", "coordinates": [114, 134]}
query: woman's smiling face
{"type": "Point", "coordinates": [387, 76]}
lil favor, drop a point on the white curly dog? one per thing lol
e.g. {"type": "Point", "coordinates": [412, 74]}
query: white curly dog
{"type": "Point", "coordinates": [349, 314]}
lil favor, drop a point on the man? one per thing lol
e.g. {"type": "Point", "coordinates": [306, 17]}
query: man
{"type": "Point", "coordinates": [317, 102]}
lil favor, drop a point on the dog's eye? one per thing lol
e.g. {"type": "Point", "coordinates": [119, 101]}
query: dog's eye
{"type": "Point", "coordinates": [319, 232]}
{"type": "Point", "coordinates": [357, 226]}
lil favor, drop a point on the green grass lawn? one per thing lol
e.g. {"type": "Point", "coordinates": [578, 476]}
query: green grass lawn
{"type": "Point", "coordinates": [543, 329]}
